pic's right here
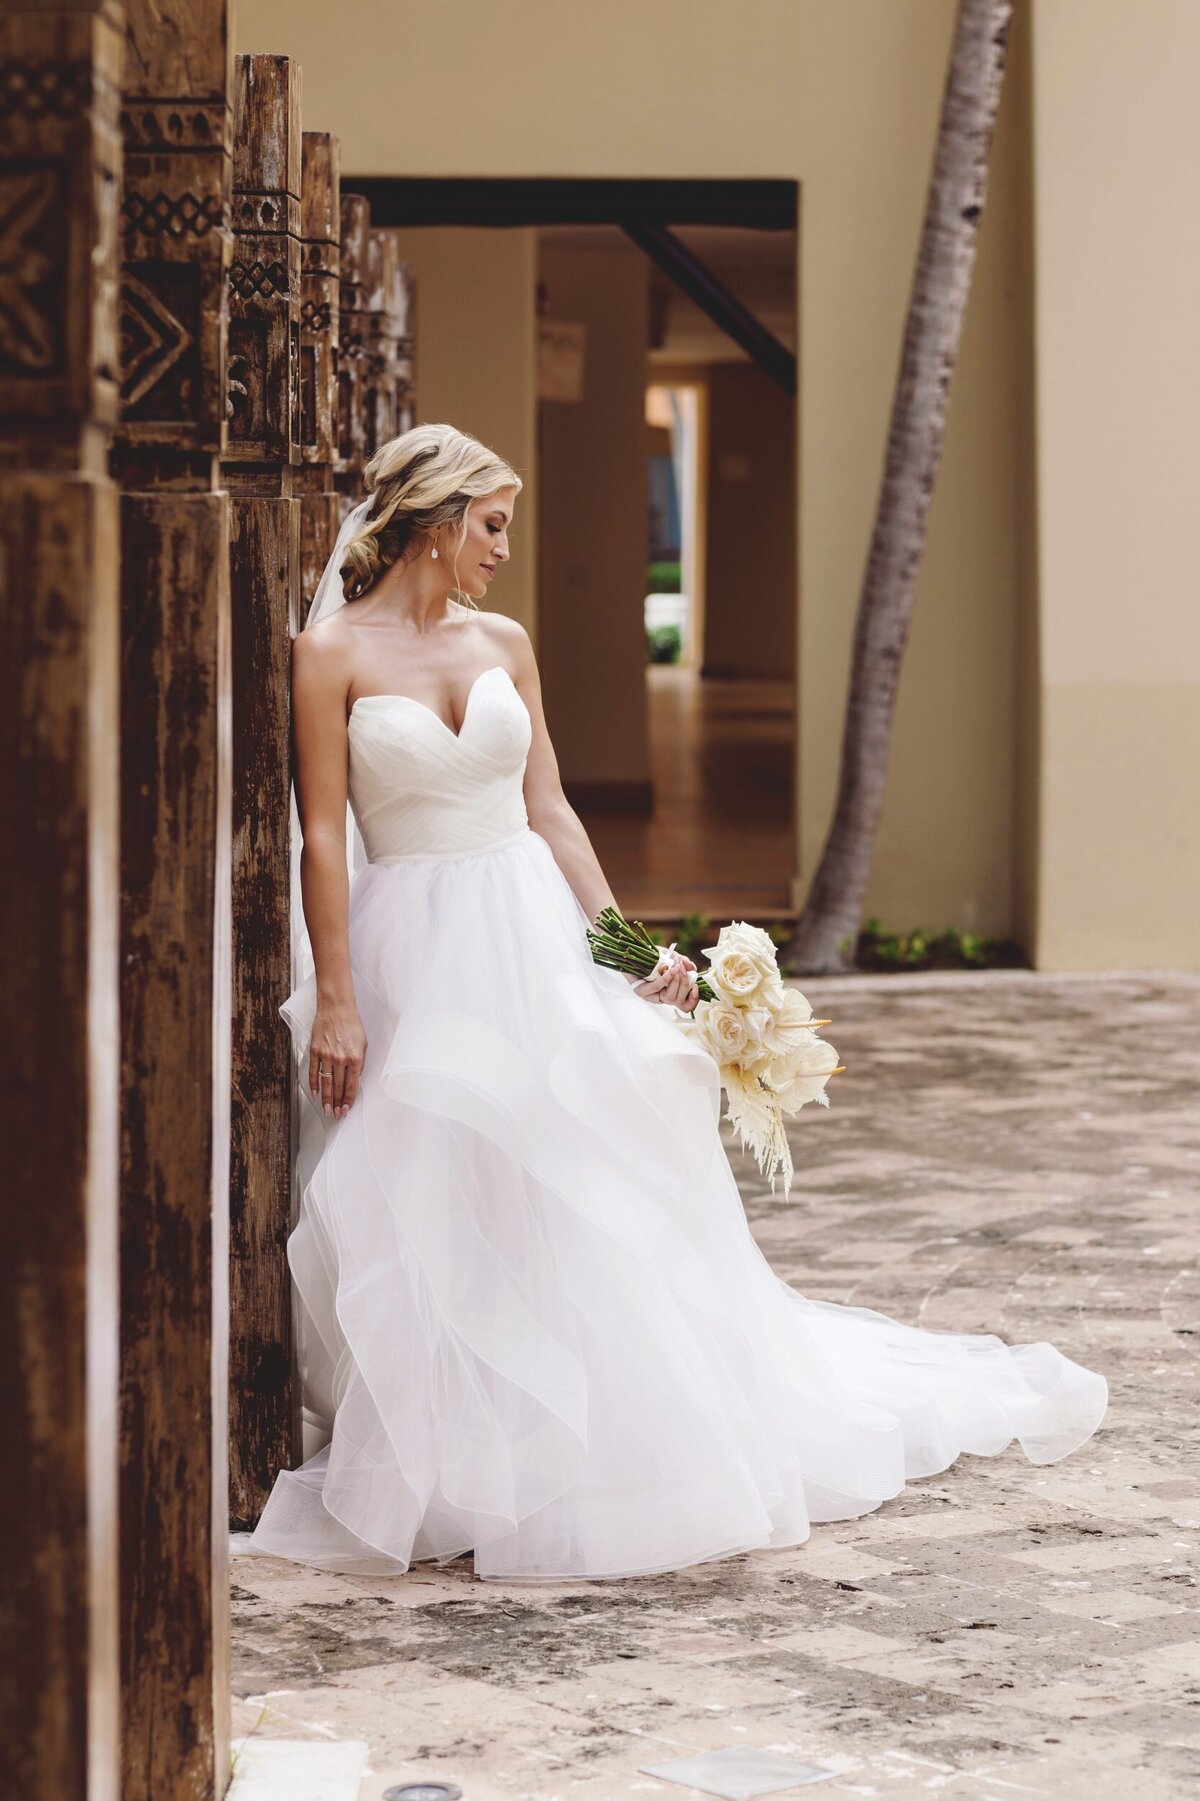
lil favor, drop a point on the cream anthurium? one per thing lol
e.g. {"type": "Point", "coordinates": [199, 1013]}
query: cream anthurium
{"type": "Point", "coordinates": [788, 1023]}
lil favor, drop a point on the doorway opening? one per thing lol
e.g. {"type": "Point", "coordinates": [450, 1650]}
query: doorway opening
{"type": "Point", "coordinates": [668, 592]}
{"type": "Point", "coordinates": [659, 565]}
{"type": "Point", "coordinates": [674, 609]}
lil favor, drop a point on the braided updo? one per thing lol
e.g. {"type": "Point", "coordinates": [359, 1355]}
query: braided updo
{"type": "Point", "coordinates": [422, 480]}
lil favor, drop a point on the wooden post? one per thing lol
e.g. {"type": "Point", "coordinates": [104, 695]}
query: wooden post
{"type": "Point", "coordinates": [59, 175]}
{"type": "Point", "coordinates": [353, 327]}
{"type": "Point", "coordinates": [378, 397]}
{"type": "Point", "coordinates": [175, 901]}
{"type": "Point", "coordinates": [262, 458]}
{"type": "Point", "coordinates": [402, 308]}
{"type": "Point", "coordinates": [388, 347]}
{"type": "Point", "coordinates": [320, 209]}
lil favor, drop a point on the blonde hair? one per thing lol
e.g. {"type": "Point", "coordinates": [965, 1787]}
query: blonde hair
{"type": "Point", "coordinates": [422, 480]}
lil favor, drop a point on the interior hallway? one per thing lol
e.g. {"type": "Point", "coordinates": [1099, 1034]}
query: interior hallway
{"type": "Point", "coordinates": [720, 838]}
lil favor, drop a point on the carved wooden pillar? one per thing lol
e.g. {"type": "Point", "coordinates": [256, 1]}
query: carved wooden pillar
{"type": "Point", "coordinates": [261, 461]}
{"type": "Point", "coordinates": [175, 910]}
{"type": "Point", "coordinates": [59, 178]}
{"type": "Point", "coordinates": [379, 396]}
{"type": "Point", "coordinates": [353, 328]}
{"type": "Point", "coordinates": [402, 309]}
{"type": "Point", "coordinates": [320, 208]}
{"type": "Point", "coordinates": [390, 394]}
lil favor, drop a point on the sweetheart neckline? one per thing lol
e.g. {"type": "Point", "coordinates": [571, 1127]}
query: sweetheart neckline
{"type": "Point", "coordinates": [426, 708]}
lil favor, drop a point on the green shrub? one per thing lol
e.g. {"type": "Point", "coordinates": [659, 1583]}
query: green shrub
{"type": "Point", "coordinates": [664, 644]}
{"type": "Point", "coordinates": [879, 948]}
{"type": "Point", "coordinates": [664, 578]}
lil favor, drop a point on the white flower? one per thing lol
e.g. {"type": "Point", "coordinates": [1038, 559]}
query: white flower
{"type": "Point", "coordinates": [726, 1029]}
{"type": "Point", "coordinates": [755, 1114]}
{"type": "Point", "coordinates": [798, 1075]}
{"type": "Point", "coordinates": [788, 1022]}
{"type": "Point", "coordinates": [762, 1036]}
{"type": "Point", "coordinates": [743, 967]}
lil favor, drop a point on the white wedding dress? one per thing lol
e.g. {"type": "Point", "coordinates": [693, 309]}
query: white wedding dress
{"type": "Point", "coordinates": [533, 1320]}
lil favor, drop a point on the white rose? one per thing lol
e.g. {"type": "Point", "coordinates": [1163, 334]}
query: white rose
{"type": "Point", "coordinates": [726, 1028]}
{"type": "Point", "coordinates": [753, 942]}
{"type": "Point", "coordinates": [742, 966]}
{"type": "Point", "coordinates": [695, 1025]}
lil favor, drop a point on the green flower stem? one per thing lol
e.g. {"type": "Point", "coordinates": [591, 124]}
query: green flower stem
{"type": "Point", "coordinates": [627, 946]}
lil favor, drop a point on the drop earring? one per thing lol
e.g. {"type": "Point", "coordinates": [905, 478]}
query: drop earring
{"type": "Point", "coordinates": [433, 552]}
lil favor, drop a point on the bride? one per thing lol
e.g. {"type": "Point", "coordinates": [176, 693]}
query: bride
{"type": "Point", "coordinates": [533, 1321]}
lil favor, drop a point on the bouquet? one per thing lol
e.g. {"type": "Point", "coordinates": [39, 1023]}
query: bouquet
{"type": "Point", "coordinates": [761, 1034]}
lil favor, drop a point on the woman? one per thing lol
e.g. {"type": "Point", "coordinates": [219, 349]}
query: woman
{"type": "Point", "coordinates": [533, 1321]}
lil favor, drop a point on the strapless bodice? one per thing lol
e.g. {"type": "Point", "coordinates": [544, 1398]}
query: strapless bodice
{"type": "Point", "coordinates": [418, 789]}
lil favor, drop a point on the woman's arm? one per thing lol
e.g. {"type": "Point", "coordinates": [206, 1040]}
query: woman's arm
{"type": "Point", "coordinates": [319, 685]}
{"type": "Point", "coordinates": [554, 818]}
{"type": "Point", "coordinates": [550, 812]}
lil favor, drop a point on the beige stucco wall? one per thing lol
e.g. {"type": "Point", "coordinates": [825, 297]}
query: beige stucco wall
{"type": "Point", "coordinates": [1117, 287]}
{"type": "Point", "coordinates": [946, 852]}
{"type": "Point", "coordinates": [476, 349]}
{"type": "Point", "coordinates": [843, 98]}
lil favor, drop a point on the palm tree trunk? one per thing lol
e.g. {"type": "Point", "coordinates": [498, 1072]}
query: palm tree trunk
{"type": "Point", "coordinates": [833, 912]}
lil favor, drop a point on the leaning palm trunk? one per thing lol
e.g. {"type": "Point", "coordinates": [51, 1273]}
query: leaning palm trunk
{"type": "Point", "coordinates": [828, 927]}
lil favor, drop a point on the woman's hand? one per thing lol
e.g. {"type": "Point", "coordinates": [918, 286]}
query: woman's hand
{"type": "Point", "coordinates": [336, 1054]}
{"type": "Point", "coordinates": [676, 987]}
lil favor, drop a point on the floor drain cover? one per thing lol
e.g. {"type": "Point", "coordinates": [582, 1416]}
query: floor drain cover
{"type": "Point", "coordinates": [423, 1791]}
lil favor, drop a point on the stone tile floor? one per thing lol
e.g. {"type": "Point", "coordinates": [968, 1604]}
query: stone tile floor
{"type": "Point", "coordinates": [1008, 1153]}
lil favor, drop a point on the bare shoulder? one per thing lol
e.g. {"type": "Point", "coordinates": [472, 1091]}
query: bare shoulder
{"type": "Point", "coordinates": [509, 638]}
{"type": "Point", "coordinates": [321, 657]}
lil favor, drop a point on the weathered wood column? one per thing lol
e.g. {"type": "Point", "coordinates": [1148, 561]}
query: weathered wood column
{"type": "Point", "coordinates": [402, 308]}
{"type": "Point", "coordinates": [261, 460]}
{"type": "Point", "coordinates": [175, 911]}
{"type": "Point", "coordinates": [379, 390]}
{"type": "Point", "coordinates": [320, 216]}
{"type": "Point", "coordinates": [59, 175]}
{"type": "Point", "coordinates": [390, 395]}
{"type": "Point", "coordinates": [353, 330]}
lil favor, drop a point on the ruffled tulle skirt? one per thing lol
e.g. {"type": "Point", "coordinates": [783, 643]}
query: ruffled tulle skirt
{"type": "Point", "coordinates": [533, 1320]}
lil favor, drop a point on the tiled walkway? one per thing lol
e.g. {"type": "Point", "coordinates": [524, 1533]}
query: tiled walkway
{"type": "Point", "coordinates": [720, 838]}
{"type": "Point", "coordinates": [1016, 1154]}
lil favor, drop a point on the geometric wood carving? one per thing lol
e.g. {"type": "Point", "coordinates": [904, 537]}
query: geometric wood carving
{"type": "Point", "coordinates": [59, 173]}
{"type": "Point", "coordinates": [261, 468]}
{"type": "Point", "coordinates": [152, 340]}
{"type": "Point", "coordinates": [175, 224]}
{"type": "Point", "coordinates": [321, 254]}
{"type": "Point", "coordinates": [176, 758]}
{"type": "Point", "coordinates": [320, 257]}
{"type": "Point", "coordinates": [33, 301]}
{"type": "Point", "coordinates": [352, 347]}
{"type": "Point", "coordinates": [264, 277]}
